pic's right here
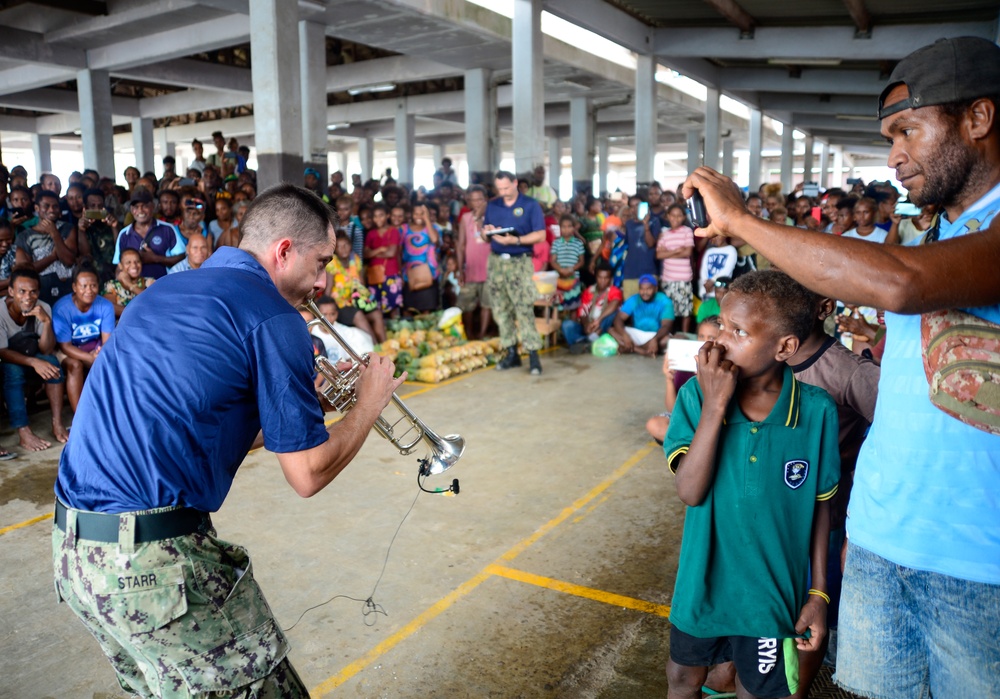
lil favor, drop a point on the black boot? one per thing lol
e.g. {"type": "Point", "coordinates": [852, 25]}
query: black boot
{"type": "Point", "coordinates": [534, 363]}
{"type": "Point", "coordinates": [513, 359]}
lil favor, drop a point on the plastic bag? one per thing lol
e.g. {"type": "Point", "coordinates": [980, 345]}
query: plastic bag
{"type": "Point", "coordinates": [604, 346]}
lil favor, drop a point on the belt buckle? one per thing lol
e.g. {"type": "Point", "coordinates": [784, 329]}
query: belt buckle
{"type": "Point", "coordinates": [505, 256]}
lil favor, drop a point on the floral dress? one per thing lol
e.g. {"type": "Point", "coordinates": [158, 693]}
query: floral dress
{"type": "Point", "coordinates": [348, 288]}
{"type": "Point", "coordinates": [124, 295]}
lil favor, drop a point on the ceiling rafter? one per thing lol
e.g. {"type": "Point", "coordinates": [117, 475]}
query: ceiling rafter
{"type": "Point", "coordinates": [735, 14]}
{"type": "Point", "coordinates": [859, 14]}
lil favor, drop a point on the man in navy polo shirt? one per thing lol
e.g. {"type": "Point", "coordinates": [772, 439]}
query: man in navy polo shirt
{"type": "Point", "coordinates": [157, 440]}
{"type": "Point", "coordinates": [158, 242]}
{"type": "Point", "coordinates": [509, 270]}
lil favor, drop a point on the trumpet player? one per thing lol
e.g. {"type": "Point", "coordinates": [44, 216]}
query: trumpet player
{"type": "Point", "coordinates": [136, 557]}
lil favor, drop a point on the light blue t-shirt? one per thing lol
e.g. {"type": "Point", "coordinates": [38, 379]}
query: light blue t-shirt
{"type": "Point", "coordinates": [82, 328]}
{"type": "Point", "coordinates": [648, 316]}
{"type": "Point", "coordinates": [927, 487]}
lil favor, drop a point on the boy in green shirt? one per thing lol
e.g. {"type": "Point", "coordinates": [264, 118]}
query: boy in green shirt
{"type": "Point", "coordinates": [756, 460]}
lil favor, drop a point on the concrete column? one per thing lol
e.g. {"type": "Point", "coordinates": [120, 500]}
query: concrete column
{"type": "Point", "coordinates": [480, 125]}
{"type": "Point", "coordinates": [756, 145]}
{"type": "Point", "coordinates": [727, 157]}
{"type": "Point", "coordinates": [274, 41]}
{"type": "Point", "coordinates": [312, 71]}
{"type": "Point", "coordinates": [838, 167]}
{"type": "Point", "coordinates": [529, 105]}
{"type": "Point", "coordinates": [807, 161]}
{"type": "Point", "coordinates": [438, 155]}
{"type": "Point", "coordinates": [645, 120]}
{"type": "Point", "coordinates": [824, 165]}
{"type": "Point", "coordinates": [93, 88]}
{"type": "Point", "coordinates": [581, 142]}
{"type": "Point", "coordinates": [366, 156]}
{"type": "Point", "coordinates": [694, 149]}
{"type": "Point", "coordinates": [41, 146]}
{"type": "Point", "coordinates": [787, 158]}
{"type": "Point", "coordinates": [555, 162]}
{"type": "Point", "coordinates": [713, 117]}
{"type": "Point", "coordinates": [405, 135]}
{"type": "Point", "coordinates": [603, 165]}
{"type": "Point", "coordinates": [167, 147]}
{"type": "Point", "coordinates": [142, 140]}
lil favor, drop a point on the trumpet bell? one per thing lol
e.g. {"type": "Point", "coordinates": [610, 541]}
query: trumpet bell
{"type": "Point", "coordinates": [445, 453]}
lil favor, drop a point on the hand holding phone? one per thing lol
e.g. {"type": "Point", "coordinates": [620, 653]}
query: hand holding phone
{"type": "Point", "coordinates": [905, 208]}
{"type": "Point", "coordinates": [643, 210]}
{"type": "Point", "coordinates": [696, 210]}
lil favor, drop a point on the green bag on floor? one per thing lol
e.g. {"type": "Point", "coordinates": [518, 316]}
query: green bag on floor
{"type": "Point", "coordinates": [604, 346]}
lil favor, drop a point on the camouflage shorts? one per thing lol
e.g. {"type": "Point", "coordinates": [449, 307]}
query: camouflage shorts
{"type": "Point", "coordinates": [177, 618]}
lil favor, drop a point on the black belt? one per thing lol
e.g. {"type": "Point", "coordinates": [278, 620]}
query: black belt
{"type": "Point", "coordinates": [510, 255]}
{"type": "Point", "coordinates": [98, 526]}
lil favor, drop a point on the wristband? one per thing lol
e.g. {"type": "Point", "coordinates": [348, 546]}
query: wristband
{"type": "Point", "coordinates": [820, 593]}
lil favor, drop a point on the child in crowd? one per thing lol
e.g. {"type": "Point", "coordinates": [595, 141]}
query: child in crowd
{"type": "Point", "coordinates": [652, 315]}
{"type": "Point", "coordinates": [708, 329]}
{"type": "Point", "coordinates": [450, 287]}
{"type": "Point", "coordinates": [756, 461]}
{"type": "Point", "coordinates": [381, 256]}
{"type": "Point", "coordinates": [719, 260]}
{"type": "Point", "coordinates": [674, 248]}
{"type": "Point", "coordinates": [864, 222]}
{"type": "Point", "coordinates": [346, 288]}
{"type": "Point", "coordinates": [598, 307]}
{"type": "Point", "coordinates": [567, 259]}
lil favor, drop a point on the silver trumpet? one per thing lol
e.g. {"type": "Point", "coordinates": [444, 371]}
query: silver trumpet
{"type": "Point", "coordinates": [405, 431]}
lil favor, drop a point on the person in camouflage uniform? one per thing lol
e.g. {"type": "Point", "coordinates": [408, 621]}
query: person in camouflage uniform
{"type": "Point", "coordinates": [175, 609]}
{"type": "Point", "coordinates": [509, 270]}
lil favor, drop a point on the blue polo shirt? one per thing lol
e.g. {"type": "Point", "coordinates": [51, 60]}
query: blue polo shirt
{"type": "Point", "coordinates": [163, 239]}
{"type": "Point", "coordinates": [926, 486]}
{"type": "Point", "coordinates": [640, 258]}
{"type": "Point", "coordinates": [648, 316]}
{"type": "Point", "coordinates": [199, 363]}
{"type": "Point", "coordinates": [524, 215]}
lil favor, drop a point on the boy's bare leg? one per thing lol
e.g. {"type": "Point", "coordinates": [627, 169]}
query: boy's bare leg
{"type": "Point", "coordinates": [722, 677]}
{"type": "Point", "coordinates": [684, 682]}
{"type": "Point", "coordinates": [54, 391]}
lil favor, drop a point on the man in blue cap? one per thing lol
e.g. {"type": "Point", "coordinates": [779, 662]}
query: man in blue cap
{"type": "Point", "coordinates": [652, 315]}
{"type": "Point", "coordinates": [920, 605]}
{"type": "Point", "coordinates": [313, 181]}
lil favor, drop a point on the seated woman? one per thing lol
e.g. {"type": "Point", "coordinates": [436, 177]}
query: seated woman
{"type": "Point", "coordinates": [129, 283]}
{"type": "Point", "coordinates": [353, 299]}
{"type": "Point", "coordinates": [420, 262]}
{"type": "Point", "coordinates": [83, 323]}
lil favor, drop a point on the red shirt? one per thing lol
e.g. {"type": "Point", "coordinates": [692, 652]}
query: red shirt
{"type": "Point", "coordinates": [374, 239]}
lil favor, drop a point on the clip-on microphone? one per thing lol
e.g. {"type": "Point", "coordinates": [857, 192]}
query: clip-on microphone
{"type": "Point", "coordinates": [424, 471]}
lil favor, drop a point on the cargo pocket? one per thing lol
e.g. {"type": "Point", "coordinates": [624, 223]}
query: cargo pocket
{"type": "Point", "coordinates": [236, 663]}
{"type": "Point", "coordinates": [140, 602]}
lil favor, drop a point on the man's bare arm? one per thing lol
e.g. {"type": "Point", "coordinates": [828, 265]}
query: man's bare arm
{"type": "Point", "coordinates": [961, 272]}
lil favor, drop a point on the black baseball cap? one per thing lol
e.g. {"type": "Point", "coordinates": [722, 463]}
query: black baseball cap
{"type": "Point", "coordinates": [945, 72]}
{"type": "Point", "coordinates": [140, 195]}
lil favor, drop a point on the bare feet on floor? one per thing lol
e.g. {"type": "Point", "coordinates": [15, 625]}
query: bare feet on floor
{"type": "Point", "coordinates": [30, 441]}
{"type": "Point", "coordinates": [61, 433]}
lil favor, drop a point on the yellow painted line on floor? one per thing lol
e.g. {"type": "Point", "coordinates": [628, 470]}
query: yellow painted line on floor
{"type": "Point", "coordinates": [26, 523]}
{"type": "Point", "coordinates": [578, 505]}
{"type": "Point", "coordinates": [405, 632]}
{"type": "Point", "coordinates": [445, 602]}
{"type": "Point", "coordinates": [580, 591]}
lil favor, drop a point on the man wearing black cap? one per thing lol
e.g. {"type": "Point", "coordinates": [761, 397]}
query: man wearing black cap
{"type": "Point", "coordinates": [157, 241]}
{"type": "Point", "coordinates": [921, 598]}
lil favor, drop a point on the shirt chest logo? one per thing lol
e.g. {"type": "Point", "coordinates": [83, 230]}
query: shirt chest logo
{"type": "Point", "coordinates": [518, 211]}
{"type": "Point", "coordinates": [796, 473]}
{"type": "Point", "coordinates": [157, 240]}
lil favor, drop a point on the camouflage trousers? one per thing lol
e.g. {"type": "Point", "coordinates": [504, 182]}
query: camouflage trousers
{"type": "Point", "coordinates": [181, 617]}
{"type": "Point", "coordinates": [512, 295]}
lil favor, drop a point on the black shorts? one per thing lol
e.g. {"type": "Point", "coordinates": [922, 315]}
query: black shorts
{"type": "Point", "coordinates": [767, 667]}
{"type": "Point", "coordinates": [345, 316]}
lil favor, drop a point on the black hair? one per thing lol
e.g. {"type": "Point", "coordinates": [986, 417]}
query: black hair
{"type": "Point", "coordinates": [169, 159]}
{"type": "Point", "coordinates": [478, 188]}
{"type": "Point", "coordinates": [20, 188]}
{"type": "Point", "coordinates": [603, 266]}
{"type": "Point", "coordinates": [505, 175]}
{"type": "Point", "coordinates": [24, 272]}
{"type": "Point", "coordinates": [171, 192]}
{"type": "Point", "coordinates": [567, 217]}
{"type": "Point", "coordinates": [792, 306]}
{"type": "Point", "coordinates": [85, 266]}
{"type": "Point", "coordinates": [46, 193]}
{"type": "Point", "coordinates": [709, 319]}
{"type": "Point", "coordinates": [76, 185]}
{"type": "Point", "coordinates": [324, 300]}
{"type": "Point", "coordinates": [847, 203]}
{"type": "Point", "coordinates": [678, 207]}
{"type": "Point", "coordinates": [5, 223]}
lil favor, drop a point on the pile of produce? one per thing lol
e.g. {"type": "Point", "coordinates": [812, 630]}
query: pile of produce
{"type": "Point", "coordinates": [430, 354]}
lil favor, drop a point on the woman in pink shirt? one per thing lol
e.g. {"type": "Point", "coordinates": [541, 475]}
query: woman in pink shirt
{"type": "Point", "coordinates": [473, 252]}
{"type": "Point", "coordinates": [675, 246]}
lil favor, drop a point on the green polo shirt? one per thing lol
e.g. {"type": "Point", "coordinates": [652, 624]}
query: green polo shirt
{"type": "Point", "coordinates": [744, 564]}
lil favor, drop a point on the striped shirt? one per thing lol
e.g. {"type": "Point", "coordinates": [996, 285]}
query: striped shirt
{"type": "Point", "coordinates": [676, 269]}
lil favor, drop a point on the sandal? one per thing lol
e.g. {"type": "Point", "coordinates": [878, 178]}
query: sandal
{"type": "Point", "coordinates": [717, 695]}
{"type": "Point", "coordinates": [7, 455]}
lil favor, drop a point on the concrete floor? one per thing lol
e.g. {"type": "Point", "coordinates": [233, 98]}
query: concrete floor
{"type": "Point", "coordinates": [547, 576]}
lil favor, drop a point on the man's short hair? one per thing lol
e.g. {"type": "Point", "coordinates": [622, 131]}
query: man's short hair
{"type": "Point", "coordinates": [169, 193]}
{"type": "Point", "coordinates": [793, 307]}
{"type": "Point", "coordinates": [478, 188]}
{"type": "Point", "coordinates": [325, 300]}
{"type": "Point", "coordinates": [24, 272]}
{"type": "Point", "coordinates": [505, 175]}
{"type": "Point", "coordinates": [217, 134]}
{"type": "Point", "coordinates": [75, 185]}
{"type": "Point", "coordinates": [6, 224]}
{"type": "Point", "coordinates": [196, 141]}
{"type": "Point", "coordinates": [169, 159]}
{"type": "Point", "coordinates": [287, 211]}
{"type": "Point", "coordinates": [46, 193]}
{"type": "Point", "coordinates": [847, 203]}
